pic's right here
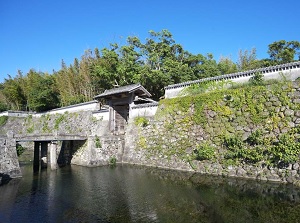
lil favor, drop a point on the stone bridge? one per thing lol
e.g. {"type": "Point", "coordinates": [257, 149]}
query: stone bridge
{"type": "Point", "coordinates": [47, 150]}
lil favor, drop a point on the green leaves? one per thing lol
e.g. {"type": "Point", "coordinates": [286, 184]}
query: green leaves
{"type": "Point", "coordinates": [284, 51]}
{"type": "Point", "coordinates": [204, 151]}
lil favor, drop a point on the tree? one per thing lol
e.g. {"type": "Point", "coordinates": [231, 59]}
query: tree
{"type": "Point", "coordinates": [284, 51]}
{"type": "Point", "coordinates": [14, 94]}
{"type": "Point", "coordinates": [247, 60]}
{"type": "Point", "coordinates": [41, 93]}
{"type": "Point", "coordinates": [227, 66]}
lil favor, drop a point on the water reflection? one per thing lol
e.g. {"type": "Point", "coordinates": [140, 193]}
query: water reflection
{"type": "Point", "coordinates": [139, 194]}
{"type": "Point", "coordinates": [8, 193]}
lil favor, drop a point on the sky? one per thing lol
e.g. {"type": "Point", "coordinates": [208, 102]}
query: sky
{"type": "Point", "coordinates": [38, 34]}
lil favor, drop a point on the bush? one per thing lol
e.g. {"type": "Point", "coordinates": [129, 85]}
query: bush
{"type": "Point", "coordinates": [113, 161]}
{"type": "Point", "coordinates": [20, 149]}
{"type": "Point", "coordinates": [257, 79]}
{"type": "Point", "coordinates": [97, 142]}
{"type": "Point", "coordinates": [141, 121]}
{"type": "Point", "coordinates": [205, 152]}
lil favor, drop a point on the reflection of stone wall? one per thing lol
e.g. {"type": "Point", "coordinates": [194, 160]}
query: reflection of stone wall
{"type": "Point", "coordinates": [8, 197]}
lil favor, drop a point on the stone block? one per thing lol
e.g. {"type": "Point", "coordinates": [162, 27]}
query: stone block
{"type": "Point", "coordinates": [274, 178]}
{"type": "Point", "coordinates": [273, 98]}
{"type": "Point", "coordinates": [295, 166]}
{"type": "Point", "coordinates": [276, 103]}
{"type": "Point", "coordinates": [289, 112]}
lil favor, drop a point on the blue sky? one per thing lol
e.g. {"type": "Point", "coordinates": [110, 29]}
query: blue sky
{"type": "Point", "coordinates": [38, 34]}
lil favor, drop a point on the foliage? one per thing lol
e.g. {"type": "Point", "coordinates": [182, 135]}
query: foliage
{"type": "Point", "coordinates": [239, 151]}
{"type": "Point", "coordinates": [247, 60]}
{"type": "Point", "coordinates": [3, 120]}
{"type": "Point", "coordinates": [30, 129]}
{"type": "Point", "coordinates": [203, 87]}
{"type": "Point", "coordinates": [20, 149]}
{"type": "Point", "coordinates": [284, 51]}
{"type": "Point", "coordinates": [257, 148]}
{"type": "Point", "coordinates": [141, 121]}
{"type": "Point", "coordinates": [204, 151]}
{"type": "Point", "coordinates": [41, 92]}
{"type": "Point", "coordinates": [155, 63]}
{"type": "Point", "coordinates": [113, 161]}
{"type": "Point", "coordinates": [257, 79]}
{"type": "Point", "coordinates": [61, 118]}
{"type": "Point", "coordinates": [97, 142]}
{"type": "Point", "coordinates": [286, 150]}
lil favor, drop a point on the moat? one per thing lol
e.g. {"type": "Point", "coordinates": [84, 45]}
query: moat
{"type": "Point", "coordinates": [140, 194]}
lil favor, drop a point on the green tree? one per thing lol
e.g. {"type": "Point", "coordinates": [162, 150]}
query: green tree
{"type": "Point", "coordinates": [247, 60]}
{"type": "Point", "coordinates": [284, 51]}
{"type": "Point", "coordinates": [41, 92]}
{"type": "Point", "coordinates": [227, 66]}
{"type": "Point", "coordinates": [14, 94]}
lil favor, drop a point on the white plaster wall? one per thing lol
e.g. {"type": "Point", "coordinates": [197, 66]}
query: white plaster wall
{"type": "Point", "coordinates": [15, 113]}
{"type": "Point", "coordinates": [142, 111]}
{"type": "Point", "coordinates": [289, 74]}
{"type": "Point", "coordinates": [102, 115]}
{"type": "Point", "coordinates": [87, 106]}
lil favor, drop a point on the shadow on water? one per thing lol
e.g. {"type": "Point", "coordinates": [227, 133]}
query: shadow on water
{"type": "Point", "coordinates": [8, 193]}
{"type": "Point", "coordinates": [4, 179]}
{"type": "Point", "coordinates": [141, 194]}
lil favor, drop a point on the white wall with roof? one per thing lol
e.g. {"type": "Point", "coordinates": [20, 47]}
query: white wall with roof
{"type": "Point", "coordinates": [290, 71]}
{"type": "Point", "coordinates": [145, 110]}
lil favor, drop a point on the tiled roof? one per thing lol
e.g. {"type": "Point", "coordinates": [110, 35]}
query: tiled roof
{"type": "Point", "coordinates": [124, 89]}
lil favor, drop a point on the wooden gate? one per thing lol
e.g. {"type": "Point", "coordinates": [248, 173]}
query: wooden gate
{"type": "Point", "coordinates": [120, 118]}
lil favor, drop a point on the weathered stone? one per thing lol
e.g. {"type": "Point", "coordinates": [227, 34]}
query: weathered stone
{"type": "Point", "coordinates": [295, 85]}
{"type": "Point", "coordinates": [277, 109]}
{"type": "Point", "coordinates": [238, 128]}
{"type": "Point", "coordinates": [289, 112]}
{"type": "Point", "coordinates": [212, 113]}
{"type": "Point", "coordinates": [247, 129]}
{"type": "Point", "coordinates": [246, 135]}
{"type": "Point", "coordinates": [291, 124]}
{"type": "Point", "coordinates": [274, 178]}
{"type": "Point", "coordinates": [296, 166]}
{"type": "Point", "coordinates": [273, 99]}
{"type": "Point", "coordinates": [296, 101]}
{"type": "Point", "coordinates": [284, 130]}
{"type": "Point", "coordinates": [276, 103]}
{"type": "Point", "coordinates": [241, 172]}
{"type": "Point", "coordinates": [268, 104]}
{"type": "Point", "coordinates": [289, 179]}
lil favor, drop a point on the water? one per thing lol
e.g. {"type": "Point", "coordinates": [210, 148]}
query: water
{"type": "Point", "coordinates": [139, 194]}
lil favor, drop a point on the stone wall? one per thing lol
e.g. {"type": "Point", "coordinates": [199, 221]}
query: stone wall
{"type": "Point", "coordinates": [9, 164]}
{"type": "Point", "coordinates": [189, 134]}
{"type": "Point", "coordinates": [99, 151]}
